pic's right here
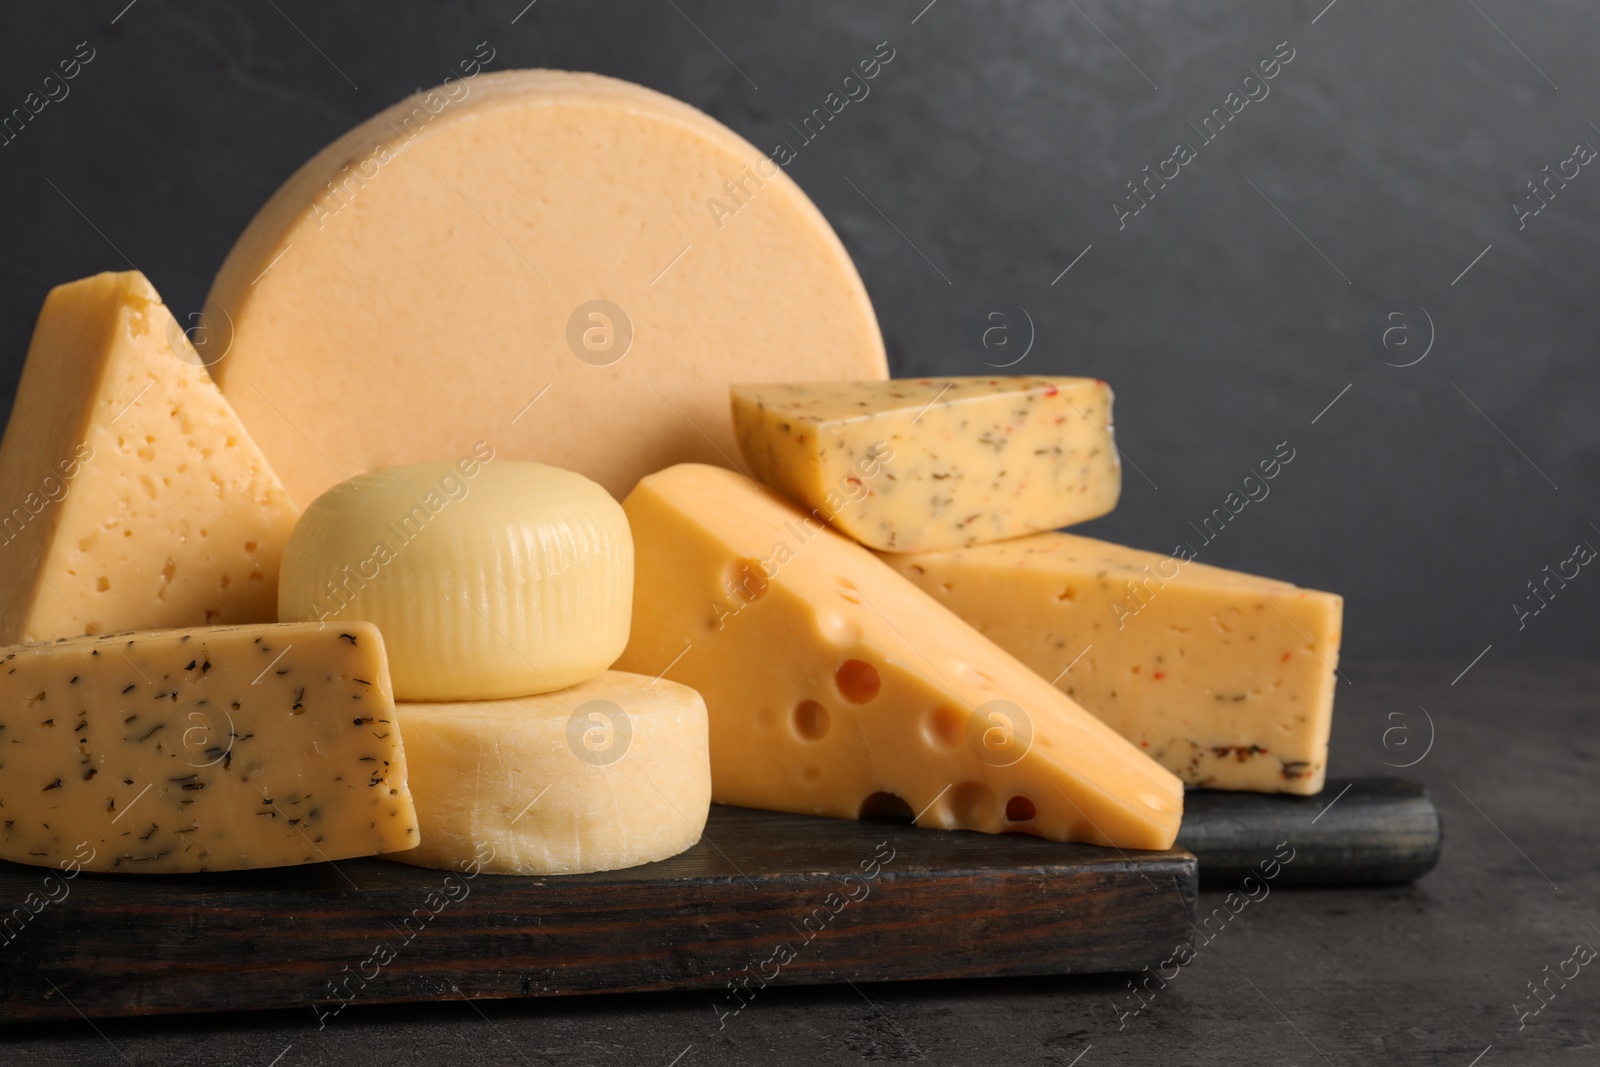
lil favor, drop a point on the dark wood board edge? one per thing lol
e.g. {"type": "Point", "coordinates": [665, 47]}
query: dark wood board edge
{"type": "Point", "coordinates": [1357, 831]}
{"type": "Point", "coordinates": [958, 906]}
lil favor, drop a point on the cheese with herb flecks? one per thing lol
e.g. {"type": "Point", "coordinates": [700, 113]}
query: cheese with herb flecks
{"type": "Point", "coordinates": [931, 463]}
{"type": "Point", "coordinates": [209, 749]}
{"type": "Point", "coordinates": [1225, 678]}
{"type": "Point", "coordinates": [131, 497]}
{"type": "Point", "coordinates": [836, 687]}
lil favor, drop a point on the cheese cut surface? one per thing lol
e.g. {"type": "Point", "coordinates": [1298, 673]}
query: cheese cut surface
{"type": "Point", "coordinates": [836, 687]}
{"type": "Point", "coordinates": [521, 235]}
{"type": "Point", "coordinates": [931, 463]}
{"type": "Point", "coordinates": [208, 749]}
{"type": "Point", "coordinates": [488, 577]}
{"type": "Point", "coordinates": [132, 496]}
{"type": "Point", "coordinates": [608, 774]}
{"type": "Point", "coordinates": [1226, 678]}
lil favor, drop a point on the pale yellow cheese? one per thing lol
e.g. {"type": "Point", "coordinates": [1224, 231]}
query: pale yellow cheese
{"type": "Point", "coordinates": [563, 240]}
{"type": "Point", "coordinates": [931, 463]}
{"type": "Point", "coordinates": [1226, 678]}
{"type": "Point", "coordinates": [607, 774]}
{"type": "Point", "coordinates": [130, 495]}
{"type": "Point", "coordinates": [836, 687]}
{"type": "Point", "coordinates": [206, 749]}
{"type": "Point", "coordinates": [489, 577]}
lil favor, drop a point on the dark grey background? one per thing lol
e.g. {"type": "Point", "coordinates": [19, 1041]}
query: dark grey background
{"type": "Point", "coordinates": [985, 159]}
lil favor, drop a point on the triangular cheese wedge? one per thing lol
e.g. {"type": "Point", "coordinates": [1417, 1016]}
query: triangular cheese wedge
{"type": "Point", "coordinates": [130, 495]}
{"type": "Point", "coordinates": [836, 687]}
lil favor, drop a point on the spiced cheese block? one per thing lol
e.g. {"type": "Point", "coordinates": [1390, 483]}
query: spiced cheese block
{"type": "Point", "coordinates": [1226, 678]}
{"type": "Point", "coordinates": [836, 687]}
{"type": "Point", "coordinates": [133, 497]}
{"type": "Point", "coordinates": [546, 260]}
{"type": "Point", "coordinates": [204, 749]}
{"type": "Point", "coordinates": [931, 463]}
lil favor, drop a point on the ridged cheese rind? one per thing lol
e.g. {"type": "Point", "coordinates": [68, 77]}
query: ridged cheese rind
{"type": "Point", "coordinates": [489, 577]}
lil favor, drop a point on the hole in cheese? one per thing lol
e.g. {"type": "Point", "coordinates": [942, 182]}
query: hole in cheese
{"type": "Point", "coordinates": [973, 804]}
{"type": "Point", "coordinates": [810, 720]}
{"type": "Point", "coordinates": [857, 680]}
{"type": "Point", "coordinates": [745, 580]}
{"type": "Point", "coordinates": [1020, 809]}
{"type": "Point", "coordinates": [886, 807]}
{"type": "Point", "coordinates": [945, 728]}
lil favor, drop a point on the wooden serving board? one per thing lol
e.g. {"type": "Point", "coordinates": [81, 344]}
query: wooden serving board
{"type": "Point", "coordinates": [1370, 831]}
{"type": "Point", "coordinates": [781, 899]}
{"type": "Point", "coordinates": [762, 895]}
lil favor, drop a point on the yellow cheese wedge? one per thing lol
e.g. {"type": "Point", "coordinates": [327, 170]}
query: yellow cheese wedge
{"type": "Point", "coordinates": [607, 774]}
{"type": "Point", "coordinates": [133, 497]}
{"type": "Point", "coordinates": [206, 749]}
{"type": "Point", "coordinates": [488, 577]}
{"type": "Point", "coordinates": [930, 463]}
{"type": "Point", "coordinates": [1226, 678]}
{"type": "Point", "coordinates": [528, 237]}
{"type": "Point", "coordinates": [836, 687]}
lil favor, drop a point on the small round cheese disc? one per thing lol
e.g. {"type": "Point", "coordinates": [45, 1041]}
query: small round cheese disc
{"type": "Point", "coordinates": [569, 266]}
{"type": "Point", "coordinates": [608, 774]}
{"type": "Point", "coordinates": [487, 577]}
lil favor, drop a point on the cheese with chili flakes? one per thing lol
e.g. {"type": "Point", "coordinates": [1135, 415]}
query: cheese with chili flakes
{"type": "Point", "coordinates": [1227, 679]}
{"type": "Point", "coordinates": [932, 463]}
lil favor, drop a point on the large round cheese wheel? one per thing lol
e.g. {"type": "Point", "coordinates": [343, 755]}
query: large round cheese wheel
{"type": "Point", "coordinates": [606, 253]}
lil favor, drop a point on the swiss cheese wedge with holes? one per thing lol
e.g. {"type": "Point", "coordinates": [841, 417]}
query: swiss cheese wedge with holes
{"type": "Point", "coordinates": [836, 687]}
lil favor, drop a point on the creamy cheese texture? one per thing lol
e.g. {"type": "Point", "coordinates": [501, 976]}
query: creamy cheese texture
{"type": "Point", "coordinates": [131, 497]}
{"type": "Point", "coordinates": [929, 463]}
{"type": "Point", "coordinates": [542, 259]}
{"type": "Point", "coordinates": [836, 687]}
{"type": "Point", "coordinates": [1226, 678]}
{"type": "Point", "coordinates": [607, 774]}
{"type": "Point", "coordinates": [488, 577]}
{"type": "Point", "coordinates": [207, 749]}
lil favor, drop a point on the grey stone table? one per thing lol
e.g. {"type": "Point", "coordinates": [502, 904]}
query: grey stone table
{"type": "Point", "coordinates": [1433, 973]}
